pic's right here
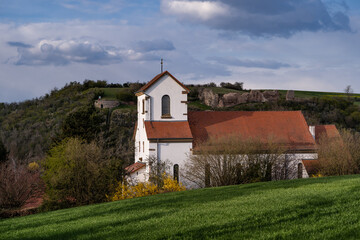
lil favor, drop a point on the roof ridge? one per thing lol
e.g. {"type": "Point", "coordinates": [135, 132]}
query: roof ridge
{"type": "Point", "coordinates": [157, 77]}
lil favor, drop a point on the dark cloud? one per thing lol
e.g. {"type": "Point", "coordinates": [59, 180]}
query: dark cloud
{"type": "Point", "coordinates": [19, 44]}
{"type": "Point", "coordinates": [154, 45]}
{"type": "Point", "coordinates": [262, 17]}
{"type": "Point", "coordinates": [268, 64]}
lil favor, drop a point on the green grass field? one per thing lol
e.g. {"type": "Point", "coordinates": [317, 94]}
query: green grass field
{"type": "Point", "coordinates": [311, 94]}
{"type": "Point", "coordinates": [318, 208]}
{"type": "Point", "coordinates": [110, 93]}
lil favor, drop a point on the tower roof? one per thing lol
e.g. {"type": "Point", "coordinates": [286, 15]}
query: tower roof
{"type": "Point", "coordinates": [156, 78]}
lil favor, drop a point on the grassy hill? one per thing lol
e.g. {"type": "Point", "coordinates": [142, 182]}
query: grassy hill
{"type": "Point", "coordinates": [317, 208]}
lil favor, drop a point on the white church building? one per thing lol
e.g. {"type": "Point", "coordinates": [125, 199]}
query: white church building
{"type": "Point", "coordinates": [166, 131]}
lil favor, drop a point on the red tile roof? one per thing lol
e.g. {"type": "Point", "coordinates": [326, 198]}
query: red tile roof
{"type": "Point", "coordinates": [326, 130]}
{"type": "Point", "coordinates": [157, 77]}
{"type": "Point", "coordinates": [287, 128]}
{"type": "Point", "coordinates": [134, 167]}
{"type": "Point", "coordinates": [168, 130]}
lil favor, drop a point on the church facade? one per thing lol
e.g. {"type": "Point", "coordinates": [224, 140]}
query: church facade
{"type": "Point", "coordinates": [166, 131]}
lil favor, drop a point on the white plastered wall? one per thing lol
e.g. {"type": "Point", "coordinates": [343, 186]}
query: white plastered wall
{"type": "Point", "coordinates": [138, 176]}
{"type": "Point", "coordinates": [295, 159]}
{"type": "Point", "coordinates": [178, 107]}
{"type": "Point", "coordinates": [174, 153]}
{"type": "Point", "coordinates": [141, 141]}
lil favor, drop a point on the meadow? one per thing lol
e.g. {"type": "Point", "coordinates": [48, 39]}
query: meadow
{"type": "Point", "coordinates": [316, 208]}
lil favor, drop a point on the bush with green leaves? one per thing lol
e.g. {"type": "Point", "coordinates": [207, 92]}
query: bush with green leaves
{"type": "Point", "coordinates": [75, 173]}
{"type": "Point", "coordinates": [126, 96]}
{"type": "Point", "coordinates": [84, 123]}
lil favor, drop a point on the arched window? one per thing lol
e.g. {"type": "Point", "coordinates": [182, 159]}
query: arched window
{"type": "Point", "coordinates": [300, 170]}
{"type": "Point", "coordinates": [165, 106]}
{"type": "Point", "coordinates": [176, 172]}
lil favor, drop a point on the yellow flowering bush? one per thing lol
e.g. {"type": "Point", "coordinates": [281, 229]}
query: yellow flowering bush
{"type": "Point", "coordinates": [171, 185]}
{"type": "Point", "coordinates": [317, 175]}
{"type": "Point", "coordinates": [124, 191]}
{"type": "Point", "coordinates": [33, 166]}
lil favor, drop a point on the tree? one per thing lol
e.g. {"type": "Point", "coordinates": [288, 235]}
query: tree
{"type": "Point", "coordinates": [3, 153]}
{"type": "Point", "coordinates": [76, 173]}
{"type": "Point", "coordinates": [233, 160]}
{"type": "Point", "coordinates": [339, 155]}
{"type": "Point", "coordinates": [348, 90]}
{"type": "Point", "coordinates": [17, 185]}
{"type": "Point", "coordinates": [84, 123]}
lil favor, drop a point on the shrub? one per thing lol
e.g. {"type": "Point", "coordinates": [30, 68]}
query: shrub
{"type": "Point", "coordinates": [17, 185]}
{"type": "Point", "coordinates": [171, 185]}
{"type": "Point", "coordinates": [125, 191]}
{"type": "Point", "coordinates": [340, 155]}
{"type": "Point", "coordinates": [84, 123]}
{"type": "Point", "coordinates": [33, 167]}
{"type": "Point", "coordinates": [126, 96]}
{"type": "Point", "coordinates": [233, 160]}
{"type": "Point", "coordinates": [236, 85]}
{"type": "Point", "coordinates": [75, 172]}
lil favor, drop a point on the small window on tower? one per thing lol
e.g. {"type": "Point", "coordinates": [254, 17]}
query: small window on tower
{"type": "Point", "coordinates": [143, 106]}
{"type": "Point", "coordinates": [165, 106]}
{"type": "Point", "coordinates": [143, 146]}
{"type": "Point", "coordinates": [176, 172]}
{"type": "Point", "coordinates": [139, 147]}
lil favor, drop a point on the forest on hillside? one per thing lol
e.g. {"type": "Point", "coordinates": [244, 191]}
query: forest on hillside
{"type": "Point", "coordinates": [30, 128]}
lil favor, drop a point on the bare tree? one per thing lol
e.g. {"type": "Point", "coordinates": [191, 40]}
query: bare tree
{"type": "Point", "coordinates": [340, 155]}
{"type": "Point", "coordinates": [348, 90]}
{"type": "Point", "coordinates": [17, 185]}
{"type": "Point", "coordinates": [233, 160]}
{"type": "Point", "coordinates": [157, 170]}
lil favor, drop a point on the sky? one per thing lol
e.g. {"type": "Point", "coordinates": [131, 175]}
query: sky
{"type": "Point", "coordinates": [278, 44]}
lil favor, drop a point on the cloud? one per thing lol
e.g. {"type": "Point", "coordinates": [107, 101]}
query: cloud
{"type": "Point", "coordinates": [196, 10]}
{"type": "Point", "coordinates": [154, 45]}
{"type": "Point", "coordinates": [268, 64]}
{"type": "Point", "coordinates": [63, 52]}
{"type": "Point", "coordinates": [19, 44]}
{"type": "Point", "coordinates": [93, 6]}
{"type": "Point", "coordinates": [262, 17]}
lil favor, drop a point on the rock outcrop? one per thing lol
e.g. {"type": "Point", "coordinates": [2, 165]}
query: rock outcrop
{"type": "Point", "coordinates": [208, 97]}
{"type": "Point", "coordinates": [290, 95]}
{"type": "Point", "coordinates": [256, 96]}
{"type": "Point", "coordinates": [271, 96]}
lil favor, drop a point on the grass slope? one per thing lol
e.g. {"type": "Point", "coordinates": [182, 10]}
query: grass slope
{"type": "Point", "coordinates": [110, 93]}
{"type": "Point", "coordinates": [311, 94]}
{"type": "Point", "coordinates": [322, 208]}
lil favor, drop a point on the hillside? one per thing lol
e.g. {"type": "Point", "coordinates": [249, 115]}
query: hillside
{"type": "Point", "coordinates": [29, 128]}
{"type": "Point", "coordinates": [317, 208]}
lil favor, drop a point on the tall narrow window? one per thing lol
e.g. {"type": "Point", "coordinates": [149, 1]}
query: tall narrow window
{"type": "Point", "coordinates": [143, 106]}
{"type": "Point", "coordinates": [176, 172]}
{"type": "Point", "coordinates": [165, 106]}
{"type": "Point", "coordinates": [139, 147]}
{"type": "Point", "coordinates": [300, 170]}
{"type": "Point", "coordinates": [143, 146]}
